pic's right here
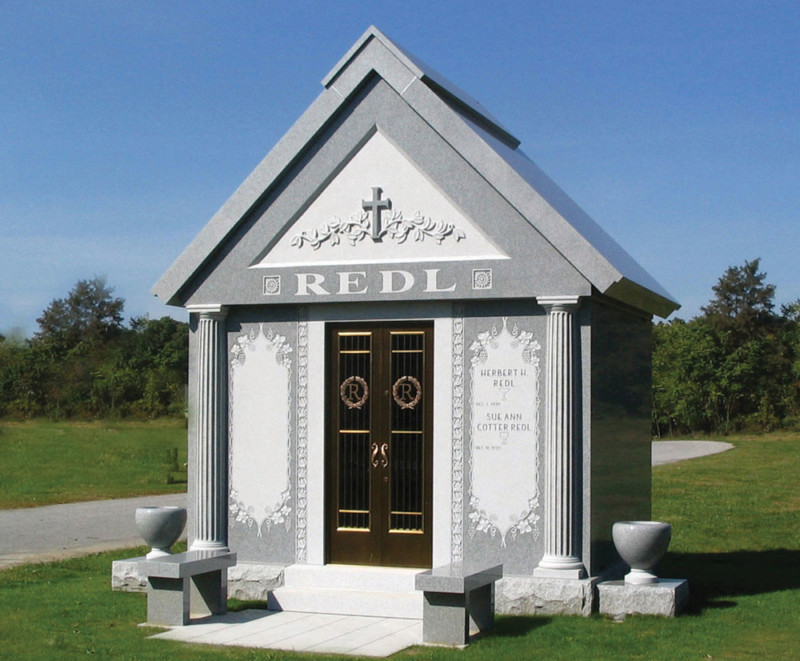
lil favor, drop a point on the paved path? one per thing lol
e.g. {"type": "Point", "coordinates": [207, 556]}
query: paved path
{"type": "Point", "coordinates": [667, 452]}
{"type": "Point", "coordinates": [54, 532]}
{"type": "Point", "coordinates": [303, 632]}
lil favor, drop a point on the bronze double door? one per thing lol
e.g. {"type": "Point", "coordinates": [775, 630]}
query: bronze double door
{"type": "Point", "coordinates": [379, 454]}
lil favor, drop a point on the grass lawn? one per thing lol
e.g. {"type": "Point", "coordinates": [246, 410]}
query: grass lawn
{"type": "Point", "coordinates": [42, 463]}
{"type": "Point", "coordinates": [736, 538]}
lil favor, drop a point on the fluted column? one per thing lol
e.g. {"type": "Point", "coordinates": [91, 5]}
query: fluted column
{"type": "Point", "coordinates": [210, 430]}
{"type": "Point", "coordinates": [561, 554]}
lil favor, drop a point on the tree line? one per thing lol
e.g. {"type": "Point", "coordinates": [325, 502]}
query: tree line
{"type": "Point", "coordinates": [83, 362]}
{"type": "Point", "coordinates": [735, 366]}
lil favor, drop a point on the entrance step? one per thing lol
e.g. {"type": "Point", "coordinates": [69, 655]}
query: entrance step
{"type": "Point", "coordinates": [349, 590]}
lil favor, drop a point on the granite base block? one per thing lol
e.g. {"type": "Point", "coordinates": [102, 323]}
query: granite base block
{"type": "Point", "coordinates": [254, 582]}
{"type": "Point", "coordinates": [247, 582]}
{"type": "Point", "coordinates": [667, 598]}
{"type": "Point", "coordinates": [125, 576]}
{"type": "Point", "coordinates": [532, 595]}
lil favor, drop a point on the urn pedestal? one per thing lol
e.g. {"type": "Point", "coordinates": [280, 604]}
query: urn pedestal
{"type": "Point", "coordinates": [641, 544]}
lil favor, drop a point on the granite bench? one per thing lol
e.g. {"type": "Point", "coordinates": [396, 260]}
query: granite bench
{"type": "Point", "coordinates": [457, 599]}
{"type": "Point", "coordinates": [186, 585]}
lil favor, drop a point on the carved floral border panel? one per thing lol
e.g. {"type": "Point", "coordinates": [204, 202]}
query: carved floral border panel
{"type": "Point", "coordinates": [504, 432]}
{"type": "Point", "coordinates": [260, 395]}
{"type": "Point", "coordinates": [301, 539]}
{"type": "Point", "coordinates": [457, 467]}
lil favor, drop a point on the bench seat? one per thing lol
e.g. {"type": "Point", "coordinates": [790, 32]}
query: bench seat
{"type": "Point", "coordinates": [458, 599]}
{"type": "Point", "coordinates": [186, 585]}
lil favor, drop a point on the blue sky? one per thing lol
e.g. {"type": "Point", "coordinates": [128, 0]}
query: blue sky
{"type": "Point", "coordinates": [125, 125]}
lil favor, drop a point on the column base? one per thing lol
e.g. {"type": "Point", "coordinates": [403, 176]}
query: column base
{"type": "Point", "coordinates": [204, 545]}
{"type": "Point", "coordinates": [569, 567]}
{"type": "Point", "coordinates": [565, 573]}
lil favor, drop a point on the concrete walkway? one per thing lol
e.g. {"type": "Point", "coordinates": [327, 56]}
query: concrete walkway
{"type": "Point", "coordinates": [55, 532]}
{"type": "Point", "coordinates": [667, 452]}
{"type": "Point", "coordinates": [303, 632]}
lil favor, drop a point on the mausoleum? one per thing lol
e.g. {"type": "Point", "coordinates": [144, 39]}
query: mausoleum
{"type": "Point", "coordinates": [410, 349]}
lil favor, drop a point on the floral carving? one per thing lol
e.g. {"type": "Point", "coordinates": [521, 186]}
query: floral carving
{"type": "Point", "coordinates": [301, 529]}
{"type": "Point", "coordinates": [457, 466]}
{"type": "Point", "coordinates": [398, 228]}
{"type": "Point", "coordinates": [479, 519]}
{"type": "Point", "coordinates": [277, 513]}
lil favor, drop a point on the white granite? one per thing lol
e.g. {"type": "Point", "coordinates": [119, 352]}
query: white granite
{"type": "Point", "coordinates": [324, 235]}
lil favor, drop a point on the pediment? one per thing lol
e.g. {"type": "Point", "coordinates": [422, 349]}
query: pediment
{"type": "Point", "coordinates": [477, 214]}
{"type": "Point", "coordinates": [379, 209]}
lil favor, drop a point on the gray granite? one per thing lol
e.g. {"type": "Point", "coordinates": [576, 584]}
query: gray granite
{"type": "Point", "coordinates": [253, 582]}
{"type": "Point", "coordinates": [536, 291]}
{"type": "Point", "coordinates": [667, 598]}
{"type": "Point", "coordinates": [470, 136]}
{"type": "Point", "coordinates": [618, 436]}
{"type": "Point", "coordinates": [180, 565]}
{"type": "Point", "coordinates": [528, 595]}
{"type": "Point", "coordinates": [246, 581]}
{"type": "Point", "coordinates": [459, 601]}
{"type": "Point", "coordinates": [445, 619]}
{"type": "Point", "coordinates": [186, 585]}
{"type": "Point", "coordinates": [126, 577]}
{"type": "Point", "coordinates": [457, 578]}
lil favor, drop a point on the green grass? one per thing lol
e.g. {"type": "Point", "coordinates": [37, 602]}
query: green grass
{"type": "Point", "coordinates": [736, 538]}
{"type": "Point", "coordinates": [43, 463]}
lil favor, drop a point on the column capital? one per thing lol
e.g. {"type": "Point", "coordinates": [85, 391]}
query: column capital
{"type": "Point", "coordinates": [563, 303]}
{"type": "Point", "coordinates": [209, 310]}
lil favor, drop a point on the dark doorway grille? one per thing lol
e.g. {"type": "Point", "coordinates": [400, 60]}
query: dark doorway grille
{"type": "Point", "coordinates": [379, 452]}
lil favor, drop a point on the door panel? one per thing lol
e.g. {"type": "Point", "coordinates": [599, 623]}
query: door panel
{"type": "Point", "coordinates": [379, 446]}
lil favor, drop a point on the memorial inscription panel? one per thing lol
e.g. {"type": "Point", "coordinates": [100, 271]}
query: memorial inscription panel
{"type": "Point", "coordinates": [260, 429]}
{"type": "Point", "coordinates": [504, 431]}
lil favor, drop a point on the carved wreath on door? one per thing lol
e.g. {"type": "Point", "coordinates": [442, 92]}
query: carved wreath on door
{"type": "Point", "coordinates": [348, 392]}
{"type": "Point", "coordinates": [401, 392]}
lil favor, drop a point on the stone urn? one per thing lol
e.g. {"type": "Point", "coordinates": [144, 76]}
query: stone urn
{"type": "Point", "coordinates": [160, 527]}
{"type": "Point", "coordinates": [641, 544]}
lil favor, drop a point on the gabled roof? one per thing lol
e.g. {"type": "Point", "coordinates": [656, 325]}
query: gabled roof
{"type": "Point", "coordinates": [474, 134]}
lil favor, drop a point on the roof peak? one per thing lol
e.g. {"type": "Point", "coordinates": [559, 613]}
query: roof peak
{"type": "Point", "coordinates": [444, 88]}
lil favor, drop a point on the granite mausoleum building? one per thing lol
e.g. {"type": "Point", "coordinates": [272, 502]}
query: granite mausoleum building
{"type": "Point", "coordinates": [410, 348]}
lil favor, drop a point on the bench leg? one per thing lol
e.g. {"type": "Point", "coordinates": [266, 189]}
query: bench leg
{"type": "Point", "coordinates": [444, 619]}
{"type": "Point", "coordinates": [167, 601]}
{"type": "Point", "coordinates": [480, 604]}
{"type": "Point", "coordinates": [209, 593]}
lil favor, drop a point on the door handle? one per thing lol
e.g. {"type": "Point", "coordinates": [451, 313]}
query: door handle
{"type": "Point", "coordinates": [384, 458]}
{"type": "Point", "coordinates": [374, 457]}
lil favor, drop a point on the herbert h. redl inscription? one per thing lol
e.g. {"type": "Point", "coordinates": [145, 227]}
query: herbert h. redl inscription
{"type": "Point", "coordinates": [504, 405]}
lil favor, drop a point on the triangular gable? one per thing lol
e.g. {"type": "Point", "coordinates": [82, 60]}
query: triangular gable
{"type": "Point", "coordinates": [340, 228]}
{"type": "Point", "coordinates": [470, 132]}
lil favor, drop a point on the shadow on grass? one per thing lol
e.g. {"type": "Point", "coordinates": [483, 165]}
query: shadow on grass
{"type": "Point", "coordinates": [516, 626]}
{"type": "Point", "coordinates": [235, 605]}
{"type": "Point", "coordinates": [715, 578]}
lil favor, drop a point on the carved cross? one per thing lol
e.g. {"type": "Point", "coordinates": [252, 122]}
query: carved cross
{"type": "Point", "coordinates": [376, 205]}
